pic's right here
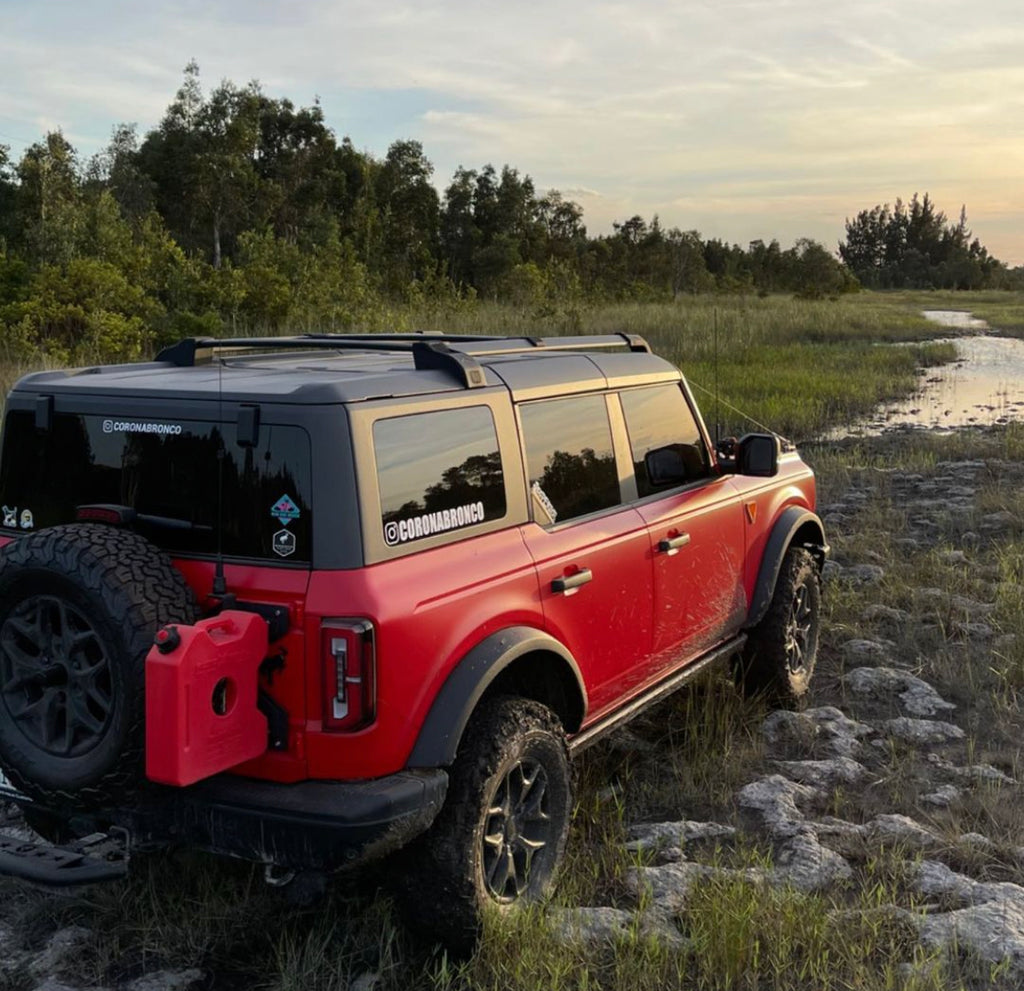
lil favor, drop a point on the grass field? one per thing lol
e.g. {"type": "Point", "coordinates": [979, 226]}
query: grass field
{"type": "Point", "coordinates": [798, 366]}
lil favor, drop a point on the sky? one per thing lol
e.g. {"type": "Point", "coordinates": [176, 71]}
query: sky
{"type": "Point", "coordinates": [741, 119]}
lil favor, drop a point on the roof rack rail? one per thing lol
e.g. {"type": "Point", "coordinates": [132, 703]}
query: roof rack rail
{"type": "Point", "coordinates": [429, 351]}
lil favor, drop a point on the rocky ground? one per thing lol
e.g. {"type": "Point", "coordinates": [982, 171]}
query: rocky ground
{"type": "Point", "coordinates": [911, 745]}
{"type": "Point", "coordinates": [890, 807]}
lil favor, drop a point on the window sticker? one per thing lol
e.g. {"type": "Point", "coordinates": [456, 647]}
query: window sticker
{"type": "Point", "coordinates": [426, 524]}
{"type": "Point", "coordinates": [138, 427]}
{"type": "Point", "coordinates": [544, 511]}
{"type": "Point", "coordinates": [284, 543]}
{"type": "Point", "coordinates": [285, 510]}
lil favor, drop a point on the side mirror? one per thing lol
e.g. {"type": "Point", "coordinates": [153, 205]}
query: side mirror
{"type": "Point", "coordinates": [666, 466]}
{"type": "Point", "coordinates": [758, 454]}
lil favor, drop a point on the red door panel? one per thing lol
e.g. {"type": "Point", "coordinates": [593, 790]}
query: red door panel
{"type": "Point", "coordinates": [697, 543]}
{"type": "Point", "coordinates": [603, 617]}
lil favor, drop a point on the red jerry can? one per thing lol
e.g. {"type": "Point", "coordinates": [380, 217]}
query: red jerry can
{"type": "Point", "coordinates": [201, 688]}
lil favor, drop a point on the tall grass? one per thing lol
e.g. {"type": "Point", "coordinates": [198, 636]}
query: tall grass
{"type": "Point", "coordinates": [800, 367]}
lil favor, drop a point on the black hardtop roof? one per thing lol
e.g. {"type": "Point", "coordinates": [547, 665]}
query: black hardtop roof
{"type": "Point", "coordinates": [324, 369]}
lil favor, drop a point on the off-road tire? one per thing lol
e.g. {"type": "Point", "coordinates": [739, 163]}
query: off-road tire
{"type": "Point", "coordinates": [79, 605]}
{"type": "Point", "coordinates": [781, 650]}
{"type": "Point", "coordinates": [512, 783]}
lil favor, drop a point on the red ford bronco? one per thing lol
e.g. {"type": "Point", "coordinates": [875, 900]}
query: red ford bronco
{"type": "Point", "coordinates": [309, 600]}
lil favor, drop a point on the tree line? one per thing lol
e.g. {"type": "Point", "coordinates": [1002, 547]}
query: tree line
{"type": "Point", "coordinates": [240, 213]}
{"type": "Point", "coordinates": [916, 247]}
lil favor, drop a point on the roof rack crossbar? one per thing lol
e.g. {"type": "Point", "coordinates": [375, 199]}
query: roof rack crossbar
{"type": "Point", "coordinates": [429, 351]}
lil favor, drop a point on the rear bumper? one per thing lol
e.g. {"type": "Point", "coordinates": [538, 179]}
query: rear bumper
{"type": "Point", "coordinates": [312, 825]}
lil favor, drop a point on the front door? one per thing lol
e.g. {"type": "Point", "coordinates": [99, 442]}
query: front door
{"type": "Point", "coordinates": [695, 520]}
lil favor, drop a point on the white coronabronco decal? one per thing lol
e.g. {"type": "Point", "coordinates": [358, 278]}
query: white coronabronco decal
{"type": "Point", "coordinates": [427, 524]}
{"type": "Point", "coordinates": [139, 427]}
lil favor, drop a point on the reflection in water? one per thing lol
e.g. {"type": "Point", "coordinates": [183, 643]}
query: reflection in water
{"type": "Point", "coordinates": [984, 386]}
{"type": "Point", "coordinates": [960, 319]}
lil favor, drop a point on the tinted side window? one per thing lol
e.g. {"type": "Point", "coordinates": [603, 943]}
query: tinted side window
{"type": "Point", "coordinates": [668, 449]}
{"type": "Point", "coordinates": [437, 472]}
{"type": "Point", "coordinates": [570, 459]}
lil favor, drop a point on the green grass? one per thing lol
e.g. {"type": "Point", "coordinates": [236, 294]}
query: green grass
{"type": "Point", "coordinates": [1004, 311]}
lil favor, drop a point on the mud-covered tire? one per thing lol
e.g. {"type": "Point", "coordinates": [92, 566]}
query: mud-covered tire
{"type": "Point", "coordinates": [79, 605]}
{"type": "Point", "coordinates": [500, 835]}
{"type": "Point", "coordinates": [781, 650]}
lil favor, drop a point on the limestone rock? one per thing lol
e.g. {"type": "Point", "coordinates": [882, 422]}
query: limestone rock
{"type": "Point", "coordinates": [901, 830]}
{"type": "Point", "coordinates": [917, 696]}
{"type": "Point", "coordinates": [943, 797]}
{"type": "Point", "coordinates": [866, 651]}
{"type": "Point", "coordinates": [600, 926]}
{"type": "Point", "coordinates": [838, 734]}
{"type": "Point", "coordinates": [863, 574]}
{"type": "Point", "coordinates": [774, 800]}
{"type": "Point", "coordinates": [805, 864]}
{"type": "Point", "coordinates": [822, 773]}
{"type": "Point", "coordinates": [922, 731]}
{"type": "Point", "coordinates": [935, 879]}
{"type": "Point", "coordinates": [977, 840]}
{"type": "Point", "coordinates": [182, 980]}
{"type": "Point", "coordinates": [55, 984]}
{"type": "Point", "coordinates": [878, 612]}
{"type": "Point", "coordinates": [651, 835]}
{"type": "Point", "coordinates": [60, 952]}
{"type": "Point", "coordinates": [669, 884]}
{"type": "Point", "coordinates": [994, 931]}
{"type": "Point", "coordinates": [973, 772]}
{"type": "Point", "coordinates": [591, 926]}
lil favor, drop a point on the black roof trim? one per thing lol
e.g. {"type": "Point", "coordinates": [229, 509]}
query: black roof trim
{"type": "Point", "coordinates": [429, 351]}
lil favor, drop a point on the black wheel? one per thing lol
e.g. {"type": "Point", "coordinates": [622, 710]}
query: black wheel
{"type": "Point", "coordinates": [781, 650]}
{"type": "Point", "coordinates": [500, 836]}
{"type": "Point", "coordinates": [79, 606]}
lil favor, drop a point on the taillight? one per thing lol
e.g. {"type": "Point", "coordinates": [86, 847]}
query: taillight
{"type": "Point", "coordinates": [349, 675]}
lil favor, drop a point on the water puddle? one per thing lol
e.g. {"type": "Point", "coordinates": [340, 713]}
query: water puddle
{"type": "Point", "coordinates": [960, 319]}
{"type": "Point", "coordinates": [984, 386]}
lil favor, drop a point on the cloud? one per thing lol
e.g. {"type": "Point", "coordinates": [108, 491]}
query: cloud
{"type": "Point", "coordinates": [657, 105]}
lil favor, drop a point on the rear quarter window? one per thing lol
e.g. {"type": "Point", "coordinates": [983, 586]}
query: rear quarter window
{"type": "Point", "coordinates": [437, 472]}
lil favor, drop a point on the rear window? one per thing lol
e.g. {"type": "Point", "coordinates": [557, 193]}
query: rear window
{"type": "Point", "coordinates": [168, 473]}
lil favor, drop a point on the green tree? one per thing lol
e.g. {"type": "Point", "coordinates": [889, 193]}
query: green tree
{"type": "Point", "coordinates": [409, 215]}
{"type": "Point", "coordinates": [50, 205]}
{"type": "Point", "coordinates": [202, 160]}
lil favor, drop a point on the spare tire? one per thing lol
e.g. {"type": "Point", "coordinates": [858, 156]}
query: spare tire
{"type": "Point", "coordinates": [79, 606]}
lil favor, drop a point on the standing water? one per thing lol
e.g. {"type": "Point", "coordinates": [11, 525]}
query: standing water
{"type": "Point", "coordinates": [984, 386]}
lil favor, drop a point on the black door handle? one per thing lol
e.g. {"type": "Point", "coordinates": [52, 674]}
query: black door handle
{"type": "Point", "coordinates": [671, 545]}
{"type": "Point", "coordinates": [569, 583]}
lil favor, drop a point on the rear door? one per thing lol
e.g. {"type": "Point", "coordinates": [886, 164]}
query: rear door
{"type": "Point", "coordinates": [695, 520]}
{"type": "Point", "coordinates": [591, 551]}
